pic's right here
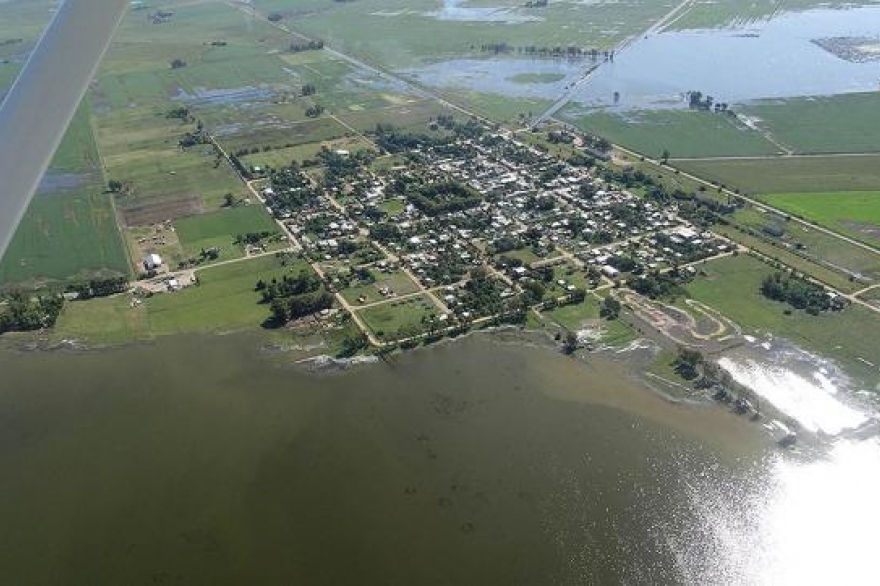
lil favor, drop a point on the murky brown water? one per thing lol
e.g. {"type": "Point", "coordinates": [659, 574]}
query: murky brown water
{"type": "Point", "coordinates": [206, 460]}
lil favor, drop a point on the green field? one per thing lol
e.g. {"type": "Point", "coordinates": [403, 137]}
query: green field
{"type": "Point", "coordinates": [225, 300]}
{"type": "Point", "coordinates": [816, 125]}
{"type": "Point", "coordinates": [282, 157]}
{"type": "Point", "coordinates": [732, 286]}
{"type": "Point", "coordinates": [684, 133]}
{"type": "Point", "coordinates": [386, 320]}
{"type": "Point", "coordinates": [397, 281]}
{"type": "Point", "coordinates": [103, 321]}
{"type": "Point", "coordinates": [854, 213]}
{"type": "Point", "coordinates": [220, 229]}
{"type": "Point", "coordinates": [791, 174]}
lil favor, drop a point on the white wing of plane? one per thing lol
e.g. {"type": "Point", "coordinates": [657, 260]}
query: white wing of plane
{"type": "Point", "coordinates": [44, 98]}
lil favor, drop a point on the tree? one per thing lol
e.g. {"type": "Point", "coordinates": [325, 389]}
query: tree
{"type": "Point", "coordinates": [177, 63]}
{"type": "Point", "coordinates": [610, 308]}
{"type": "Point", "coordinates": [664, 157]}
{"type": "Point", "coordinates": [571, 343]}
{"type": "Point", "coordinates": [687, 362]}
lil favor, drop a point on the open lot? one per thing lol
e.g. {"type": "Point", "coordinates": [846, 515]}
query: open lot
{"type": "Point", "coordinates": [387, 319]}
{"type": "Point", "coordinates": [397, 283]}
{"type": "Point", "coordinates": [103, 321]}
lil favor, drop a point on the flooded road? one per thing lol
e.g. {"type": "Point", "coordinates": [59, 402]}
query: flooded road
{"type": "Point", "coordinates": [481, 461]}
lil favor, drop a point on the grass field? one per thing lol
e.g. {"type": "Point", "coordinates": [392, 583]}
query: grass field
{"type": "Point", "coordinates": [225, 299]}
{"type": "Point", "coordinates": [387, 319]}
{"type": "Point", "coordinates": [220, 229]}
{"type": "Point", "coordinates": [815, 125]}
{"type": "Point", "coordinates": [728, 13]}
{"type": "Point", "coordinates": [855, 213]}
{"type": "Point", "coordinates": [791, 174]}
{"type": "Point", "coordinates": [732, 287]}
{"type": "Point", "coordinates": [397, 281]}
{"type": "Point", "coordinates": [104, 321]}
{"type": "Point", "coordinates": [684, 133]}
{"type": "Point", "coordinates": [586, 315]}
{"type": "Point", "coordinates": [63, 236]}
{"type": "Point", "coordinates": [282, 157]}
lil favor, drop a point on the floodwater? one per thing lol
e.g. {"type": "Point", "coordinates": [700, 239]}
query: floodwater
{"type": "Point", "coordinates": [483, 461]}
{"type": "Point", "coordinates": [453, 10]}
{"type": "Point", "coordinates": [776, 58]}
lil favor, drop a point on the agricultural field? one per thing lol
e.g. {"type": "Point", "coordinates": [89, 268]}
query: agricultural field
{"type": "Point", "coordinates": [225, 299]}
{"type": "Point", "coordinates": [817, 125]}
{"type": "Point", "coordinates": [386, 320]}
{"type": "Point", "coordinates": [65, 235]}
{"type": "Point", "coordinates": [684, 133]}
{"type": "Point", "coordinates": [791, 174]}
{"type": "Point", "coordinates": [732, 286]}
{"type": "Point", "coordinates": [219, 229]}
{"type": "Point", "coordinates": [854, 213]}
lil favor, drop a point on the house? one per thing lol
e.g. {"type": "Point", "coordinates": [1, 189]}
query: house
{"type": "Point", "coordinates": [152, 262]}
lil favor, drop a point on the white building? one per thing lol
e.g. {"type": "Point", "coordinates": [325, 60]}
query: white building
{"type": "Point", "coordinates": [153, 262]}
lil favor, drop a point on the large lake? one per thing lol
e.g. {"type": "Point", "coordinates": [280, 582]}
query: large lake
{"type": "Point", "coordinates": [483, 461]}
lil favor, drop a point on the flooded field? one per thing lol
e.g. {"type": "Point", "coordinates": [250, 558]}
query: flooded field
{"type": "Point", "coordinates": [518, 464]}
{"type": "Point", "coordinates": [776, 58]}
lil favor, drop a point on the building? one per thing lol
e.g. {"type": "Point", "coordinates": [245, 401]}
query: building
{"type": "Point", "coordinates": [152, 262]}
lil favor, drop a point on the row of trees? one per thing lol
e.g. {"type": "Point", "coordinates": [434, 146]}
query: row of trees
{"type": "Point", "coordinates": [569, 52]}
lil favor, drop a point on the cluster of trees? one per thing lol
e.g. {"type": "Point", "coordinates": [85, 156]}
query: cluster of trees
{"type": "Point", "coordinates": [536, 4]}
{"type": "Point", "coordinates": [658, 285]}
{"type": "Point", "coordinates": [294, 296]}
{"type": "Point", "coordinates": [445, 197]}
{"type": "Point", "coordinates": [254, 238]}
{"type": "Point", "coordinates": [177, 63]}
{"type": "Point", "coordinates": [309, 89]}
{"type": "Point", "coordinates": [797, 292]}
{"type": "Point", "coordinates": [386, 232]}
{"type": "Point", "coordinates": [291, 190]}
{"type": "Point", "coordinates": [570, 51]}
{"type": "Point", "coordinates": [697, 101]}
{"type": "Point", "coordinates": [610, 308]}
{"type": "Point", "coordinates": [307, 46]}
{"type": "Point", "coordinates": [482, 294]}
{"type": "Point", "coordinates": [179, 113]}
{"type": "Point", "coordinates": [315, 111]}
{"type": "Point", "coordinates": [98, 287]}
{"type": "Point", "coordinates": [23, 313]}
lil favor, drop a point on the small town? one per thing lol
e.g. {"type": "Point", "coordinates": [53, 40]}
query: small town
{"type": "Point", "coordinates": [467, 226]}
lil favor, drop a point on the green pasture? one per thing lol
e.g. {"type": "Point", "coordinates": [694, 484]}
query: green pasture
{"type": "Point", "coordinates": [732, 286]}
{"type": "Point", "coordinates": [683, 133]}
{"type": "Point", "coordinates": [220, 228]}
{"type": "Point", "coordinates": [791, 174]}
{"type": "Point", "coordinates": [225, 299]}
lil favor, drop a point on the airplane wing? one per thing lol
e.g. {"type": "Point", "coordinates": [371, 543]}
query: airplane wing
{"type": "Point", "coordinates": [44, 98]}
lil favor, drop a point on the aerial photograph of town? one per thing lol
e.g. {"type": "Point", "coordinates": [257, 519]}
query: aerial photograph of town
{"type": "Point", "coordinates": [444, 292]}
